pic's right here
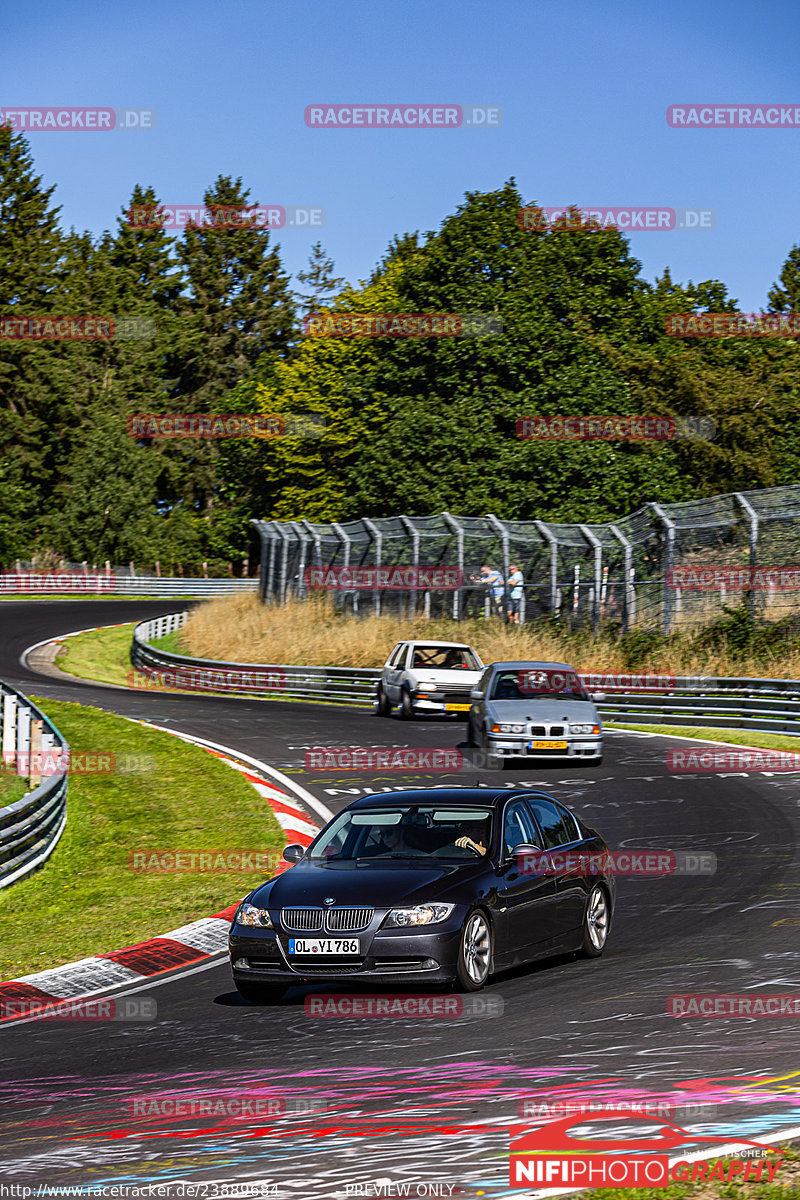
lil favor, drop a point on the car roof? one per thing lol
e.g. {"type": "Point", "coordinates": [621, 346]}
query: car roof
{"type": "Point", "coordinates": [529, 664]}
{"type": "Point", "coordinates": [467, 797]}
{"type": "Point", "coordinates": [433, 642]}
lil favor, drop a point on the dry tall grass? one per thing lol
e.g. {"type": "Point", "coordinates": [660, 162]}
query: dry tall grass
{"type": "Point", "coordinates": [242, 629]}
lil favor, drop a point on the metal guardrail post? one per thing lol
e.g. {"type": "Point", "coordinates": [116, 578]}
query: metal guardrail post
{"type": "Point", "coordinates": [303, 539]}
{"type": "Point", "coordinates": [552, 541]}
{"type": "Point", "coordinates": [504, 540]}
{"type": "Point", "coordinates": [627, 593]}
{"type": "Point", "coordinates": [667, 565]}
{"type": "Point", "coordinates": [752, 517]}
{"type": "Point", "coordinates": [458, 530]}
{"type": "Point", "coordinates": [282, 581]}
{"type": "Point", "coordinates": [377, 537]}
{"type": "Point", "coordinates": [30, 828]}
{"type": "Point", "coordinates": [597, 546]}
{"type": "Point", "coordinates": [411, 528]}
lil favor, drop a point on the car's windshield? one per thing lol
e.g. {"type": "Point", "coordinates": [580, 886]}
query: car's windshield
{"type": "Point", "coordinates": [445, 658]}
{"type": "Point", "coordinates": [536, 684]}
{"type": "Point", "coordinates": [423, 831]}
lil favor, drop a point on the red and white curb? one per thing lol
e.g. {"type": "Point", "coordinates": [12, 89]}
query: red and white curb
{"type": "Point", "coordinates": [194, 944]}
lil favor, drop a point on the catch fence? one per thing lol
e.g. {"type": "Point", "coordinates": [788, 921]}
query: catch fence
{"type": "Point", "coordinates": [662, 567]}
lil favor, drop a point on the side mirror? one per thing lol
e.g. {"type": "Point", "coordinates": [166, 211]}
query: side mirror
{"type": "Point", "coordinates": [293, 852]}
{"type": "Point", "coordinates": [530, 859]}
{"type": "Point", "coordinates": [475, 694]}
{"type": "Point", "coordinates": [598, 697]}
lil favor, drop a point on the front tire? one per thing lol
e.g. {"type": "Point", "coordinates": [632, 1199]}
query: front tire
{"type": "Point", "coordinates": [260, 993]}
{"type": "Point", "coordinates": [596, 922]}
{"type": "Point", "coordinates": [384, 707]}
{"type": "Point", "coordinates": [474, 953]}
{"type": "Point", "coordinates": [406, 707]}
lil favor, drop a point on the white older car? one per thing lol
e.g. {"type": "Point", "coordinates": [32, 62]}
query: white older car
{"type": "Point", "coordinates": [435, 677]}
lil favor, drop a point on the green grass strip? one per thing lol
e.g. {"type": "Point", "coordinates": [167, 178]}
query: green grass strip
{"type": "Point", "coordinates": [736, 737]}
{"type": "Point", "coordinates": [86, 900]}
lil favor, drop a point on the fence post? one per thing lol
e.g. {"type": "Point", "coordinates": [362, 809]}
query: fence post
{"type": "Point", "coordinates": [552, 541]}
{"type": "Point", "coordinates": [627, 587]}
{"type": "Point", "coordinates": [411, 528]}
{"type": "Point", "coordinates": [377, 537]}
{"type": "Point", "coordinates": [35, 759]}
{"type": "Point", "coordinates": [752, 516]}
{"type": "Point", "coordinates": [458, 596]}
{"type": "Point", "coordinates": [501, 529]}
{"type": "Point", "coordinates": [597, 546]}
{"type": "Point", "coordinates": [669, 526]}
{"type": "Point", "coordinates": [9, 730]}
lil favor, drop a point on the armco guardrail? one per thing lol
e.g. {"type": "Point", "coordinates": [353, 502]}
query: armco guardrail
{"type": "Point", "coordinates": [769, 705]}
{"type": "Point", "coordinates": [30, 827]}
{"type": "Point", "coordinates": [339, 685]}
{"type": "Point", "coordinates": [69, 583]}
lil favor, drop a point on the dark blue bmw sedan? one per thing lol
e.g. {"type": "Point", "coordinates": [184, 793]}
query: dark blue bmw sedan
{"type": "Point", "coordinates": [436, 885]}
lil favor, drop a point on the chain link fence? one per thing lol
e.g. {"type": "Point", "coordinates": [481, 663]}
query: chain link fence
{"type": "Point", "coordinates": [663, 567]}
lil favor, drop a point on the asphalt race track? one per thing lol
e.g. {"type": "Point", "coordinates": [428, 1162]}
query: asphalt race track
{"type": "Point", "coordinates": [379, 1101]}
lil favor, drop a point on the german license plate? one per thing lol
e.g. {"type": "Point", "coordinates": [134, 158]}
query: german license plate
{"type": "Point", "coordinates": [324, 946]}
{"type": "Point", "coordinates": [457, 707]}
{"type": "Point", "coordinates": [547, 745]}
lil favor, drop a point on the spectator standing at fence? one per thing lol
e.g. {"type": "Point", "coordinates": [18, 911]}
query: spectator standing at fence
{"type": "Point", "coordinates": [494, 581]}
{"type": "Point", "coordinates": [516, 584]}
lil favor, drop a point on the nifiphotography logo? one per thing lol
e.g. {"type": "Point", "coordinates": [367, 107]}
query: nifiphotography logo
{"type": "Point", "coordinates": [548, 1156]}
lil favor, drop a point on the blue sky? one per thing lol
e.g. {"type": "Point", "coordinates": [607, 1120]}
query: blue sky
{"type": "Point", "coordinates": [583, 86]}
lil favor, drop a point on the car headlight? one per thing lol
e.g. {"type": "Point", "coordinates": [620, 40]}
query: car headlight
{"type": "Point", "coordinates": [420, 914]}
{"type": "Point", "coordinates": [508, 729]}
{"type": "Point", "coordinates": [584, 728]}
{"type": "Point", "coordinates": [248, 914]}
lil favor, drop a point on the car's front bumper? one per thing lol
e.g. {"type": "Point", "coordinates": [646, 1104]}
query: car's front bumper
{"type": "Point", "coordinates": [390, 956]}
{"type": "Point", "coordinates": [450, 704]}
{"type": "Point", "coordinates": [505, 746]}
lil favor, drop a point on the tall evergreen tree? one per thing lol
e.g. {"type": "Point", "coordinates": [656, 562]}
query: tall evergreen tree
{"type": "Point", "coordinates": [784, 296]}
{"type": "Point", "coordinates": [322, 285]}
{"type": "Point", "coordinates": [238, 314]}
{"type": "Point", "coordinates": [31, 247]}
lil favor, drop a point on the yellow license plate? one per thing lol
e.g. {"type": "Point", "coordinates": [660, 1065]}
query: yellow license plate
{"type": "Point", "coordinates": [547, 745]}
{"type": "Point", "coordinates": [457, 707]}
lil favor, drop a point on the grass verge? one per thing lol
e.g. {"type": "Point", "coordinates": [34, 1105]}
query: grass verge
{"type": "Point", "coordinates": [12, 788]}
{"type": "Point", "coordinates": [86, 899]}
{"type": "Point", "coordinates": [736, 737]}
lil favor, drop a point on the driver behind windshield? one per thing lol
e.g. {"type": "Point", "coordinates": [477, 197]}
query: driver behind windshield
{"type": "Point", "coordinates": [474, 838]}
